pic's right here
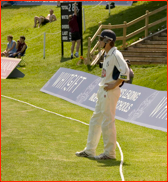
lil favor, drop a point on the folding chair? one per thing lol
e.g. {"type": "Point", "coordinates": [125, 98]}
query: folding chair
{"type": "Point", "coordinates": [23, 62]}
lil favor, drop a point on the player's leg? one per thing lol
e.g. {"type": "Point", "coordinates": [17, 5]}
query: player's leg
{"type": "Point", "coordinates": [94, 130]}
{"type": "Point", "coordinates": [108, 124]}
{"type": "Point", "coordinates": [72, 48]}
{"type": "Point", "coordinates": [77, 47]}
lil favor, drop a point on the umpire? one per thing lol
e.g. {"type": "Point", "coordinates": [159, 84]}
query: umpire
{"type": "Point", "coordinates": [114, 72]}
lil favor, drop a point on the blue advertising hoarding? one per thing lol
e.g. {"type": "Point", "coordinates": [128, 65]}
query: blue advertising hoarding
{"type": "Point", "coordinates": [138, 105]}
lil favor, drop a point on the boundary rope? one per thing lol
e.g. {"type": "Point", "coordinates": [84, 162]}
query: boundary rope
{"type": "Point", "coordinates": [121, 153]}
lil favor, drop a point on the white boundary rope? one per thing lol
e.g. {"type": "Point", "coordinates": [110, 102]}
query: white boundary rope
{"type": "Point", "coordinates": [122, 161]}
{"type": "Point", "coordinates": [121, 153]}
{"type": "Point", "coordinates": [54, 33]}
{"type": "Point", "coordinates": [37, 36]}
{"type": "Point", "coordinates": [94, 6]}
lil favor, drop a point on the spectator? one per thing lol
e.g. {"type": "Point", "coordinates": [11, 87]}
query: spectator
{"type": "Point", "coordinates": [43, 20]}
{"type": "Point", "coordinates": [58, 4]}
{"type": "Point", "coordinates": [11, 46]}
{"type": "Point", "coordinates": [6, 3]}
{"type": "Point", "coordinates": [74, 28]}
{"type": "Point", "coordinates": [131, 73]}
{"type": "Point", "coordinates": [21, 48]}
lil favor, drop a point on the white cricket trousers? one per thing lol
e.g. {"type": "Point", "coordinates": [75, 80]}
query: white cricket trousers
{"type": "Point", "coordinates": [103, 120]}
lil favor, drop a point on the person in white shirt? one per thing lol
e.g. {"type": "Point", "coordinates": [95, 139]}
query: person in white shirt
{"type": "Point", "coordinates": [114, 72]}
{"type": "Point", "coordinates": [43, 20]}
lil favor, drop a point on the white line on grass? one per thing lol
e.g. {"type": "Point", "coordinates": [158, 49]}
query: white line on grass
{"type": "Point", "coordinates": [94, 6]}
{"type": "Point", "coordinates": [38, 36]}
{"type": "Point", "coordinates": [121, 153]}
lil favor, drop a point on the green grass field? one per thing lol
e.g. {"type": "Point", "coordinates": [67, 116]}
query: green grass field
{"type": "Point", "coordinates": [40, 146]}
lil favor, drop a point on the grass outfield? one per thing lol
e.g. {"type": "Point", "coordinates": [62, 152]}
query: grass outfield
{"type": "Point", "coordinates": [40, 146]}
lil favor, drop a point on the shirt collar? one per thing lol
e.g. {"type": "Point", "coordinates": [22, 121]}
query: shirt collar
{"type": "Point", "coordinates": [110, 51]}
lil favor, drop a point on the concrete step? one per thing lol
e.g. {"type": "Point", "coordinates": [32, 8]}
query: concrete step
{"type": "Point", "coordinates": [144, 49]}
{"type": "Point", "coordinates": [158, 42]}
{"type": "Point", "coordinates": [144, 53]}
{"type": "Point", "coordinates": [159, 38]}
{"type": "Point", "coordinates": [146, 58]}
{"type": "Point", "coordinates": [145, 45]}
{"type": "Point", "coordinates": [140, 62]}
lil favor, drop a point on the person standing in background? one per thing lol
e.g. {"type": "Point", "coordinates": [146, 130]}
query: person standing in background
{"type": "Point", "coordinates": [131, 73]}
{"type": "Point", "coordinates": [74, 28]}
{"type": "Point", "coordinates": [58, 4]}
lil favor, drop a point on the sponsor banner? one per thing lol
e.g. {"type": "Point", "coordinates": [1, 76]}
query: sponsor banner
{"type": "Point", "coordinates": [8, 68]}
{"type": "Point", "coordinates": [138, 105]}
{"type": "Point", "coordinates": [117, 3]}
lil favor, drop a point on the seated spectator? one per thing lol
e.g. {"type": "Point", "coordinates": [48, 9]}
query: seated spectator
{"type": "Point", "coordinates": [131, 73]}
{"type": "Point", "coordinates": [6, 3]}
{"type": "Point", "coordinates": [11, 46]}
{"type": "Point", "coordinates": [43, 20]}
{"type": "Point", "coordinates": [21, 48]}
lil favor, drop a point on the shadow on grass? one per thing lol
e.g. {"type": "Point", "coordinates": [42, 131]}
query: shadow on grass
{"type": "Point", "coordinates": [90, 68]}
{"type": "Point", "coordinates": [64, 59]}
{"type": "Point", "coordinates": [108, 163]}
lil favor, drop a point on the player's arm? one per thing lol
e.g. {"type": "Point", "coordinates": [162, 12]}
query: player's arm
{"type": "Point", "coordinates": [113, 85]}
{"type": "Point", "coordinates": [124, 73]}
{"type": "Point", "coordinates": [122, 67]}
{"type": "Point", "coordinates": [75, 10]}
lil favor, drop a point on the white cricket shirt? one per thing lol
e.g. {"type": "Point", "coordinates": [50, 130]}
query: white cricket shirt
{"type": "Point", "coordinates": [114, 67]}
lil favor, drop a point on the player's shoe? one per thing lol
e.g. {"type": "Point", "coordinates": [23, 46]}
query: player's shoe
{"type": "Point", "coordinates": [83, 154]}
{"type": "Point", "coordinates": [76, 55]}
{"type": "Point", "coordinates": [103, 157]}
{"type": "Point", "coordinates": [71, 56]}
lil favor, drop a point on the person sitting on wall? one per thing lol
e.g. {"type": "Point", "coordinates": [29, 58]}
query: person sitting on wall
{"type": "Point", "coordinates": [131, 73]}
{"type": "Point", "coordinates": [74, 28]}
{"type": "Point", "coordinates": [11, 47]}
{"type": "Point", "coordinates": [21, 48]}
{"type": "Point", "coordinates": [43, 20]}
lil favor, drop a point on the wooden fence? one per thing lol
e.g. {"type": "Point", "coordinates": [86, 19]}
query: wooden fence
{"type": "Point", "coordinates": [124, 26]}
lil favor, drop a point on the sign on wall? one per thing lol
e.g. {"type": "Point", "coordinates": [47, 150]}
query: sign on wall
{"type": "Point", "coordinates": [8, 68]}
{"type": "Point", "coordinates": [67, 8]}
{"type": "Point", "coordinates": [138, 105]}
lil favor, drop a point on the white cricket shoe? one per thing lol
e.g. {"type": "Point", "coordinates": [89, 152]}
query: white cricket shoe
{"type": "Point", "coordinates": [83, 154]}
{"type": "Point", "coordinates": [103, 157]}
